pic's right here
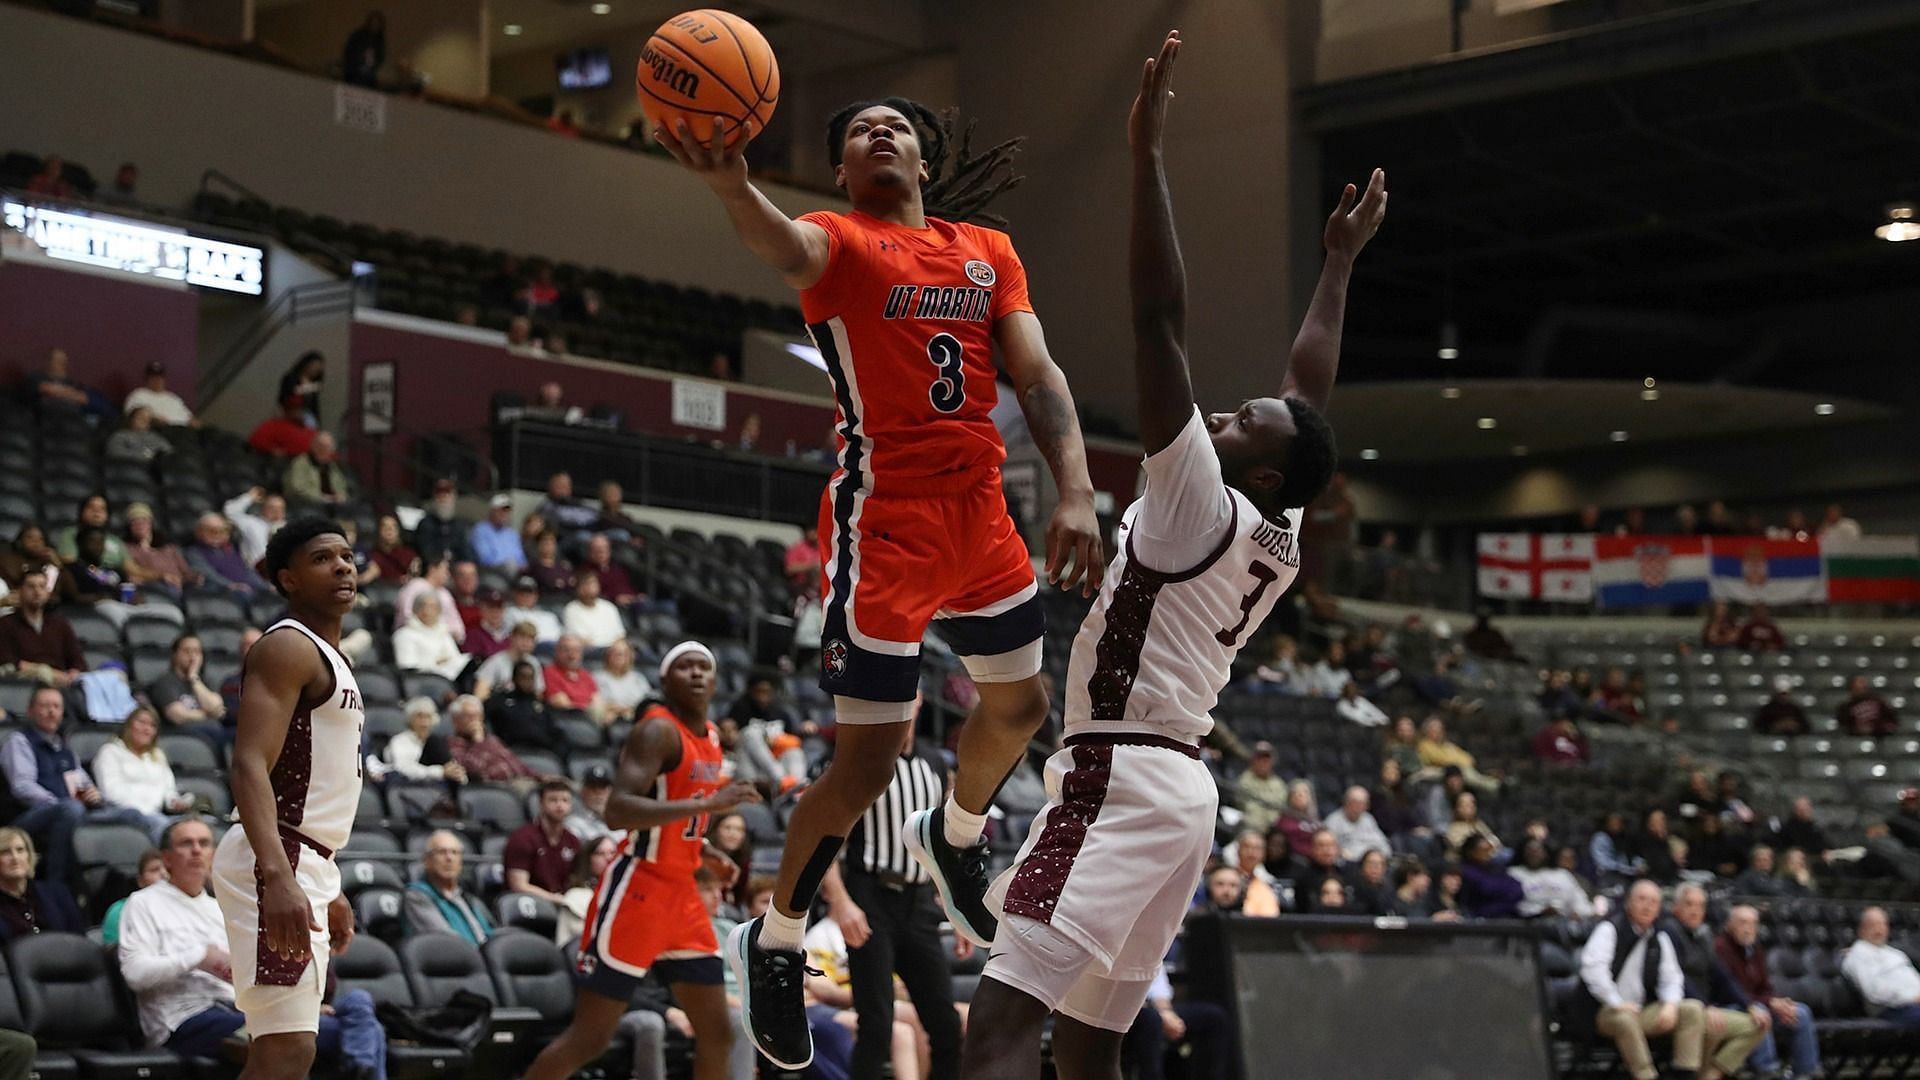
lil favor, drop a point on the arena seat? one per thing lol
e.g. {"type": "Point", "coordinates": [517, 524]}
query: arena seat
{"type": "Point", "coordinates": [415, 800]}
{"type": "Point", "coordinates": [358, 875]}
{"type": "Point", "coordinates": [524, 911]}
{"type": "Point", "coordinates": [48, 1064]}
{"type": "Point", "coordinates": [379, 911]}
{"type": "Point", "coordinates": [370, 964]}
{"type": "Point", "coordinates": [496, 808]}
{"type": "Point", "coordinates": [86, 741]}
{"type": "Point", "coordinates": [213, 789]}
{"type": "Point", "coordinates": [67, 1000]}
{"type": "Point", "coordinates": [438, 966]}
{"type": "Point", "coordinates": [191, 754]}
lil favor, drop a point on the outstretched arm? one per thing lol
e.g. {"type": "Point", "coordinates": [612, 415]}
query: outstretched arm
{"type": "Point", "coordinates": [1157, 275]}
{"type": "Point", "coordinates": [797, 249]}
{"type": "Point", "coordinates": [1315, 358]}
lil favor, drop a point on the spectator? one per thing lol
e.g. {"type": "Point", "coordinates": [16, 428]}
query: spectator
{"type": "Point", "coordinates": [1226, 886]}
{"type": "Point", "coordinates": [1466, 822]}
{"type": "Point", "coordinates": [622, 687]}
{"type": "Point", "coordinates": [1757, 879]}
{"type": "Point", "coordinates": [463, 582]}
{"type": "Point", "coordinates": [36, 641]}
{"type": "Point", "coordinates": [1780, 714]}
{"type": "Point", "coordinates": [133, 772]}
{"type": "Point", "coordinates": [1300, 818]}
{"type": "Point", "coordinates": [94, 583]}
{"type": "Point", "coordinates": [286, 435]}
{"type": "Point", "coordinates": [490, 634]}
{"type": "Point", "coordinates": [520, 333]}
{"type": "Point", "coordinates": [257, 515]}
{"type": "Point", "coordinates": [1837, 525]}
{"type": "Point", "coordinates": [531, 527]}
{"type": "Point", "coordinates": [153, 563]}
{"type": "Point", "coordinates": [588, 867]}
{"type": "Point", "coordinates": [424, 645]}
{"type": "Point", "coordinates": [315, 478]}
{"type": "Point", "coordinates": [417, 753]}
{"type": "Point", "coordinates": [1904, 824]}
{"type": "Point", "coordinates": [1631, 974]}
{"type": "Point", "coordinates": [1734, 1024]}
{"type": "Point", "coordinates": [1283, 673]}
{"type": "Point", "coordinates": [1332, 898]}
{"type": "Point", "coordinates": [1548, 889]}
{"type": "Point", "coordinates": [1394, 808]}
{"type": "Point", "coordinates": [1356, 709]}
{"type": "Point", "coordinates": [435, 902]}
{"type": "Point", "coordinates": [51, 180]}
{"type": "Point", "coordinates": [589, 818]}
{"type": "Point", "coordinates": [495, 542]}
{"type": "Point", "coordinates": [1758, 633]}
{"type": "Point", "coordinates": [390, 552]}
{"type": "Point", "coordinates": [173, 955]}
{"type": "Point", "coordinates": [438, 534]}
{"type": "Point", "coordinates": [1800, 830]}
{"type": "Point", "coordinates": [54, 791]}
{"type": "Point", "coordinates": [519, 713]}
{"type": "Point", "coordinates": [1795, 878]}
{"type": "Point", "coordinates": [230, 686]}
{"type": "Point", "coordinates": [219, 563]}
{"type": "Point", "coordinates": [481, 755]}
{"type": "Point", "coordinates": [1486, 892]}
{"type": "Point", "coordinates": [29, 906]}
{"type": "Point", "coordinates": [1715, 851]}
{"type": "Point", "coordinates": [365, 52]}
{"type": "Point", "coordinates": [1262, 795]}
{"type": "Point", "coordinates": [549, 567]}
{"type": "Point", "coordinates": [1486, 641]}
{"type": "Point", "coordinates": [432, 581]}
{"type": "Point", "coordinates": [1412, 889]}
{"type": "Point", "coordinates": [1722, 630]}
{"type": "Point", "coordinates": [615, 583]}
{"type": "Point", "coordinates": [303, 381]}
{"type": "Point", "coordinates": [568, 684]}
{"type": "Point", "coordinates": [730, 837]}
{"type": "Point", "coordinates": [802, 560]}
{"type": "Point", "coordinates": [1560, 743]}
{"type": "Point", "coordinates": [749, 439]}
{"type": "Point", "coordinates": [152, 869]}
{"type": "Point", "coordinates": [1200, 1032]}
{"type": "Point", "coordinates": [539, 855]}
{"type": "Point", "coordinates": [1258, 897]}
{"type": "Point", "coordinates": [1402, 744]}
{"type": "Point", "coordinates": [497, 670]}
{"type": "Point", "coordinates": [93, 512]}
{"type": "Point", "coordinates": [1745, 959]}
{"type": "Point", "coordinates": [594, 621]}
{"type": "Point", "coordinates": [184, 700]}
{"type": "Point", "coordinates": [612, 522]}
{"type": "Point", "coordinates": [1354, 827]}
{"type": "Point", "coordinates": [1329, 675]}
{"type": "Point", "coordinates": [1654, 846]}
{"type": "Point", "coordinates": [1323, 862]}
{"type": "Point", "coordinates": [566, 514]}
{"type": "Point", "coordinates": [1884, 974]}
{"type": "Point", "coordinates": [137, 441]}
{"type": "Point", "coordinates": [526, 609]}
{"type": "Point", "coordinates": [1437, 751]}
{"type": "Point", "coordinates": [1865, 712]}
{"type": "Point", "coordinates": [166, 407]}
{"type": "Point", "coordinates": [1618, 699]}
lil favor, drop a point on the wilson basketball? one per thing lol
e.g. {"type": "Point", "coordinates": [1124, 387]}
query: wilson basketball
{"type": "Point", "coordinates": [707, 64]}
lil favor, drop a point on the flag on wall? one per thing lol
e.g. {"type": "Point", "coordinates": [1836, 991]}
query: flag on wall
{"type": "Point", "coordinates": [1523, 566]}
{"type": "Point", "coordinates": [1755, 570]}
{"type": "Point", "coordinates": [1632, 570]}
{"type": "Point", "coordinates": [1872, 569]}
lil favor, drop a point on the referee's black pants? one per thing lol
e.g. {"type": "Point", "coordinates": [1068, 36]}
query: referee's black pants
{"type": "Point", "coordinates": [906, 940]}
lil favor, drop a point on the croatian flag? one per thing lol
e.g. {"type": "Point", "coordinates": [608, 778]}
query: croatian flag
{"type": "Point", "coordinates": [1754, 570]}
{"type": "Point", "coordinates": [1521, 566]}
{"type": "Point", "coordinates": [1629, 571]}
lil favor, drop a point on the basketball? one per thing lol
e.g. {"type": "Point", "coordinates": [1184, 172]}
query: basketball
{"type": "Point", "coordinates": [706, 64]}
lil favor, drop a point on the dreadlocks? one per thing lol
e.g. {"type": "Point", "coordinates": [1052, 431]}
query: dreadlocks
{"type": "Point", "coordinates": [959, 185]}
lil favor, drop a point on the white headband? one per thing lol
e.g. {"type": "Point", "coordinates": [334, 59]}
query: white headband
{"type": "Point", "coordinates": [682, 649]}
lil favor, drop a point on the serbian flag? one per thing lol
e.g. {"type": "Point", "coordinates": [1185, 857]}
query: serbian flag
{"type": "Point", "coordinates": [1755, 570]}
{"type": "Point", "coordinates": [1522, 566]}
{"type": "Point", "coordinates": [1629, 571]}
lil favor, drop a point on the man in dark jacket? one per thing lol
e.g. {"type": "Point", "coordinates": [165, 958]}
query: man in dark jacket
{"type": "Point", "coordinates": [1734, 1022]}
{"type": "Point", "coordinates": [1739, 950]}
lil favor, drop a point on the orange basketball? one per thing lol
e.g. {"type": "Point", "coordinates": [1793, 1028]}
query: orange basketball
{"type": "Point", "coordinates": [707, 64]}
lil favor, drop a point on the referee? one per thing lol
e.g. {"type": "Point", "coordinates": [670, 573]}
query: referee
{"type": "Point", "coordinates": [888, 911]}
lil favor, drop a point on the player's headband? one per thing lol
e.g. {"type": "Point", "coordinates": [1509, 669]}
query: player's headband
{"type": "Point", "coordinates": [682, 649]}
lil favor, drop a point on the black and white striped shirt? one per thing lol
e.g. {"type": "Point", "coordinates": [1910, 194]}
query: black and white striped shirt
{"type": "Point", "coordinates": [919, 783]}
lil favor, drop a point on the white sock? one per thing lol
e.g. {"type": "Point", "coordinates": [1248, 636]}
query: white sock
{"type": "Point", "coordinates": [779, 930]}
{"type": "Point", "coordinates": [963, 827]}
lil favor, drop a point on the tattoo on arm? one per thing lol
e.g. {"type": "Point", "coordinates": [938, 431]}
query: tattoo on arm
{"type": "Point", "coordinates": [1050, 419]}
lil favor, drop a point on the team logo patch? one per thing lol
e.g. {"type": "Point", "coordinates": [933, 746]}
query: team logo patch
{"type": "Point", "coordinates": [979, 273]}
{"type": "Point", "coordinates": [834, 657]}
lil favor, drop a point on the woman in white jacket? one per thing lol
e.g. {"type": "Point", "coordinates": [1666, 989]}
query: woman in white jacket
{"type": "Point", "coordinates": [405, 748]}
{"type": "Point", "coordinates": [133, 771]}
{"type": "Point", "coordinates": [425, 644]}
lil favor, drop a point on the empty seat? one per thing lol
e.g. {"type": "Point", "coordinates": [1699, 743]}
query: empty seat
{"type": "Point", "coordinates": [380, 911]}
{"type": "Point", "coordinates": [371, 964]}
{"type": "Point", "coordinates": [67, 1001]}
{"type": "Point", "coordinates": [190, 753]}
{"type": "Point", "coordinates": [526, 912]}
{"type": "Point", "coordinates": [496, 808]}
{"type": "Point", "coordinates": [530, 972]}
{"type": "Point", "coordinates": [358, 875]}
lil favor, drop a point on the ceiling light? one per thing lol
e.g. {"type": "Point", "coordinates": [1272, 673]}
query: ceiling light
{"type": "Point", "coordinates": [1647, 382]}
{"type": "Point", "coordinates": [1825, 408]}
{"type": "Point", "coordinates": [601, 9]}
{"type": "Point", "coordinates": [1519, 451]}
{"type": "Point", "coordinates": [512, 29]}
{"type": "Point", "coordinates": [1903, 223]}
{"type": "Point", "coordinates": [1449, 342]}
{"type": "Point", "coordinates": [1488, 423]}
{"type": "Point", "coordinates": [1649, 394]}
{"type": "Point", "coordinates": [1618, 436]}
{"type": "Point", "coordinates": [1369, 454]}
{"type": "Point", "coordinates": [1450, 392]}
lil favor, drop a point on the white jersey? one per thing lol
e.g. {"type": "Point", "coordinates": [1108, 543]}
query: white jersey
{"type": "Point", "coordinates": [1197, 572]}
{"type": "Point", "coordinates": [316, 781]}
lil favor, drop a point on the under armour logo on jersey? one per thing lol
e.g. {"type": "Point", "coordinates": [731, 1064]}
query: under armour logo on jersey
{"type": "Point", "coordinates": [888, 245]}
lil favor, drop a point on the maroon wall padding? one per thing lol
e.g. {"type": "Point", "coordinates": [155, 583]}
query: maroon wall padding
{"type": "Point", "coordinates": [110, 327]}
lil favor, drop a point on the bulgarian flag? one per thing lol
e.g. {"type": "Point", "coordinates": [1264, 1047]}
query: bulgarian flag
{"type": "Point", "coordinates": [1872, 569]}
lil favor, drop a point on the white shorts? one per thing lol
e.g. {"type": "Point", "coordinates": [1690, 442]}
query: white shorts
{"type": "Point", "coordinates": [1106, 876]}
{"type": "Point", "coordinates": [276, 994]}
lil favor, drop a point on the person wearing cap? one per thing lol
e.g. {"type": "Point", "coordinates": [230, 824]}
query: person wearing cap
{"type": "Point", "coordinates": [526, 608]}
{"type": "Point", "coordinates": [495, 542]}
{"type": "Point", "coordinates": [439, 533]}
{"type": "Point", "coordinates": [1262, 794]}
{"type": "Point", "coordinates": [489, 632]}
{"type": "Point", "coordinates": [166, 406]}
{"type": "Point", "coordinates": [151, 562]}
{"type": "Point", "coordinates": [137, 441]}
{"type": "Point", "coordinates": [588, 820]}
{"type": "Point", "coordinates": [286, 435]}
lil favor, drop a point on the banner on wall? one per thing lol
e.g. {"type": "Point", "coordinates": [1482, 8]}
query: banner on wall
{"type": "Point", "coordinates": [1634, 571]}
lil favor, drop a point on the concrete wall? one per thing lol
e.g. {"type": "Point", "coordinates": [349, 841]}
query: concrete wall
{"type": "Point", "coordinates": [111, 325]}
{"type": "Point", "coordinates": [445, 40]}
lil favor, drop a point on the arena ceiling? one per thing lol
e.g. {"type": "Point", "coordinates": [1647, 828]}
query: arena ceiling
{"type": "Point", "coordinates": [1691, 197]}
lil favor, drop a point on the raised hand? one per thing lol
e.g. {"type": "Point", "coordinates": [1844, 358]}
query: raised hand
{"type": "Point", "coordinates": [1150, 107]}
{"type": "Point", "coordinates": [720, 165]}
{"type": "Point", "coordinates": [1351, 226]}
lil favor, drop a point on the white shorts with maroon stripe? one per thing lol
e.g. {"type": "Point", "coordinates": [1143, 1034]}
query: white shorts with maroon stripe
{"type": "Point", "coordinates": [277, 995]}
{"type": "Point", "coordinates": [1107, 874]}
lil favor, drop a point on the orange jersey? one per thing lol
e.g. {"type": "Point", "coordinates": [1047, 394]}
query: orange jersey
{"type": "Point", "coordinates": [673, 849]}
{"type": "Point", "coordinates": [904, 319]}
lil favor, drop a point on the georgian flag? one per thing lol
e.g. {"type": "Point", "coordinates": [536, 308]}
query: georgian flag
{"type": "Point", "coordinates": [1523, 566]}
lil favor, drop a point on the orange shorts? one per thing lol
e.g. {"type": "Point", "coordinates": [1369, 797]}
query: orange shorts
{"type": "Point", "coordinates": [894, 564]}
{"type": "Point", "coordinates": [638, 920]}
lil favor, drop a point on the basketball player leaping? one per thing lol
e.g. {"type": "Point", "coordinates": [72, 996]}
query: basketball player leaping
{"type": "Point", "coordinates": [1099, 890]}
{"type": "Point", "coordinates": [296, 784]}
{"type": "Point", "coordinates": [906, 309]}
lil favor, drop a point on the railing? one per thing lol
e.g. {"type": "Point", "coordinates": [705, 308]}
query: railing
{"type": "Point", "coordinates": [213, 178]}
{"type": "Point", "coordinates": [312, 301]}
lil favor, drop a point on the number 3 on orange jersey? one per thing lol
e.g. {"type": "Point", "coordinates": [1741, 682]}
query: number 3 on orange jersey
{"type": "Point", "coordinates": [949, 391]}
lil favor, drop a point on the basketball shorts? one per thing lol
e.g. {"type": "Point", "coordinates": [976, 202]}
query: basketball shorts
{"type": "Point", "coordinates": [277, 994]}
{"type": "Point", "coordinates": [895, 563]}
{"type": "Point", "coordinates": [639, 921]}
{"type": "Point", "coordinates": [1109, 869]}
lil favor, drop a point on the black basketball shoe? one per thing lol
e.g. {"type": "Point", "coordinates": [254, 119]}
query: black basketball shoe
{"type": "Point", "coordinates": [771, 1002]}
{"type": "Point", "coordinates": [959, 874]}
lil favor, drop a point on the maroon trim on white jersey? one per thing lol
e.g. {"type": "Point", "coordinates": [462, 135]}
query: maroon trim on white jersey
{"type": "Point", "coordinates": [1042, 876]}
